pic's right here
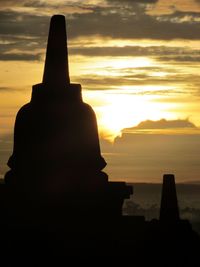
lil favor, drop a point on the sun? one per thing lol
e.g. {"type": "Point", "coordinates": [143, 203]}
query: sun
{"type": "Point", "coordinates": [127, 63]}
{"type": "Point", "coordinates": [122, 110]}
{"type": "Point", "coordinates": [120, 100]}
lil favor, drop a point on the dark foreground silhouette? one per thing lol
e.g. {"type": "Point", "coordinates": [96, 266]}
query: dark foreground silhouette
{"type": "Point", "coordinates": [57, 205]}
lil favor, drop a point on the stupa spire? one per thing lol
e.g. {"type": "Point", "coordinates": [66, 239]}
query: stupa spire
{"type": "Point", "coordinates": [56, 70]}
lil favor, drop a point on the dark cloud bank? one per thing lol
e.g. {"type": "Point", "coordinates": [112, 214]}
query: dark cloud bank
{"type": "Point", "coordinates": [142, 156]}
{"type": "Point", "coordinates": [162, 124]}
{"type": "Point", "coordinates": [114, 21]}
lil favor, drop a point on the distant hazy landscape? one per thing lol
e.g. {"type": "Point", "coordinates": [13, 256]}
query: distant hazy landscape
{"type": "Point", "coordinates": [146, 201]}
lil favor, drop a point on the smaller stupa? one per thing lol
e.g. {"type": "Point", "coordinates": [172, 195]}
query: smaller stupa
{"type": "Point", "coordinates": [169, 210]}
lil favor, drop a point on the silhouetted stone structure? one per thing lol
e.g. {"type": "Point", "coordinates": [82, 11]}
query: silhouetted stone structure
{"type": "Point", "coordinates": [58, 207]}
{"type": "Point", "coordinates": [169, 211]}
{"type": "Point", "coordinates": [56, 145]}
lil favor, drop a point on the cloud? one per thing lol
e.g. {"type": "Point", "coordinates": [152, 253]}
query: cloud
{"type": "Point", "coordinates": [10, 3]}
{"type": "Point", "coordinates": [25, 3]}
{"type": "Point", "coordinates": [140, 25]}
{"type": "Point", "coordinates": [181, 17]}
{"type": "Point", "coordinates": [4, 89]}
{"type": "Point", "coordinates": [186, 58]}
{"type": "Point", "coordinates": [130, 51]}
{"type": "Point", "coordinates": [46, 3]}
{"type": "Point", "coordinates": [133, 1]}
{"type": "Point", "coordinates": [35, 3]}
{"type": "Point", "coordinates": [28, 32]}
{"type": "Point", "coordinates": [15, 24]}
{"type": "Point", "coordinates": [19, 57]}
{"type": "Point", "coordinates": [143, 157]}
{"type": "Point", "coordinates": [106, 21]}
{"type": "Point", "coordinates": [141, 81]}
{"type": "Point", "coordinates": [45, 7]}
{"type": "Point", "coordinates": [140, 156]}
{"type": "Point", "coordinates": [162, 124]}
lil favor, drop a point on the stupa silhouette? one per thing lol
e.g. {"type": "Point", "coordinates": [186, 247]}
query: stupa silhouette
{"type": "Point", "coordinates": [56, 144]}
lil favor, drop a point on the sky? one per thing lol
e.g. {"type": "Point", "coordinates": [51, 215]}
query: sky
{"type": "Point", "coordinates": [138, 62]}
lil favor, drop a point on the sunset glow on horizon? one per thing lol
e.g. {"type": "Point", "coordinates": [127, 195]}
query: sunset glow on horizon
{"type": "Point", "coordinates": [136, 62]}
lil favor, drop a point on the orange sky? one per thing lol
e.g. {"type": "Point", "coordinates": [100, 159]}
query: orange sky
{"type": "Point", "coordinates": [136, 62]}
